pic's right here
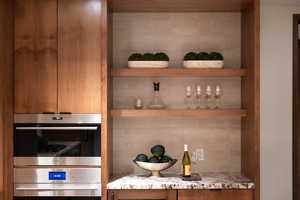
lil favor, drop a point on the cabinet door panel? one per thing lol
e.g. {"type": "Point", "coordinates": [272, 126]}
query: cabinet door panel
{"type": "Point", "coordinates": [79, 71]}
{"type": "Point", "coordinates": [142, 194]}
{"type": "Point", "coordinates": [35, 56]}
{"type": "Point", "coordinates": [215, 195]}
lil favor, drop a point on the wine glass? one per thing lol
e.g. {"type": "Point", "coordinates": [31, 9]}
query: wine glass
{"type": "Point", "coordinates": [209, 97]}
{"type": "Point", "coordinates": [218, 95]}
{"type": "Point", "coordinates": [188, 100]}
{"type": "Point", "coordinates": [199, 97]}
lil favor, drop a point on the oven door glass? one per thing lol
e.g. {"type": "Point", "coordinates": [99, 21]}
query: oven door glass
{"type": "Point", "coordinates": [56, 141]}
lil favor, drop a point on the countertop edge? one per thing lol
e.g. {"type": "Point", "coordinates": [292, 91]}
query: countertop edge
{"type": "Point", "coordinates": [213, 181]}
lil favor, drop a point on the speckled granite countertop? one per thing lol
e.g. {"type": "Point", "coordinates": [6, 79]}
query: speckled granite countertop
{"type": "Point", "coordinates": [209, 181]}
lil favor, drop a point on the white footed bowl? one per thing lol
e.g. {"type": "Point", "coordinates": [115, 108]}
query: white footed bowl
{"type": "Point", "coordinates": [155, 168]}
{"type": "Point", "coordinates": [204, 64]}
{"type": "Point", "coordinates": [148, 64]}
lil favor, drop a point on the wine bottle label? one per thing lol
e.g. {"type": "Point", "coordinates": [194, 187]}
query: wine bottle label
{"type": "Point", "coordinates": [187, 170]}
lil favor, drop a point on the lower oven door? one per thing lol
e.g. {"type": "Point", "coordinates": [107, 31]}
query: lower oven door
{"type": "Point", "coordinates": [57, 190]}
{"type": "Point", "coordinates": [57, 182]}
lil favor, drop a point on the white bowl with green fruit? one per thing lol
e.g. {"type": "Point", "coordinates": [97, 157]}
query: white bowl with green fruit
{"type": "Point", "coordinates": [157, 162]}
{"type": "Point", "coordinates": [203, 60]}
{"type": "Point", "coordinates": [148, 60]}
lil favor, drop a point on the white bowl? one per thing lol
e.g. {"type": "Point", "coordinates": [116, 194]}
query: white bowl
{"type": "Point", "coordinates": [203, 64]}
{"type": "Point", "coordinates": [155, 168]}
{"type": "Point", "coordinates": [148, 64]}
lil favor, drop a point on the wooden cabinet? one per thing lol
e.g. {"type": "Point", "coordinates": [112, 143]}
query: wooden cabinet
{"type": "Point", "coordinates": [79, 72]}
{"type": "Point", "coordinates": [57, 56]}
{"type": "Point", "coordinates": [215, 195]}
{"type": "Point", "coordinates": [142, 195]}
{"type": "Point", "coordinates": [35, 56]}
{"type": "Point", "coordinates": [180, 194]}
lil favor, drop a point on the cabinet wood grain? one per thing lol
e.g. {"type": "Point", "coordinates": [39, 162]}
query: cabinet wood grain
{"type": "Point", "coordinates": [250, 134]}
{"type": "Point", "coordinates": [79, 71]}
{"type": "Point", "coordinates": [142, 194]}
{"type": "Point", "coordinates": [6, 99]}
{"type": "Point", "coordinates": [35, 56]}
{"type": "Point", "coordinates": [215, 195]}
{"type": "Point", "coordinates": [106, 97]}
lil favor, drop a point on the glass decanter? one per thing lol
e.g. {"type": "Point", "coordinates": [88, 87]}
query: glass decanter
{"type": "Point", "coordinates": [156, 102]}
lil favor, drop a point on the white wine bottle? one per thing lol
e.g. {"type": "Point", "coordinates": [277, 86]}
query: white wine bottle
{"type": "Point", "coordinates": [186, 163]}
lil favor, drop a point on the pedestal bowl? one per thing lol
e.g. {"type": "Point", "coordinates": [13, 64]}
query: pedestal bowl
{"type": "Point", "coordinates": [155, 168]}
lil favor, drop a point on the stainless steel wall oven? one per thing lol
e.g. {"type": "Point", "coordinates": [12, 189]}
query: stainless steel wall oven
{"type": "Point", "coordinates": [57, 156]}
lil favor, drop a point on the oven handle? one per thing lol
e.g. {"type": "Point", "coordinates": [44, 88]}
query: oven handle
{"type": "Point", "coordinates": [59, 128]}
{"type": "Point", "coordinates": [53, 187]}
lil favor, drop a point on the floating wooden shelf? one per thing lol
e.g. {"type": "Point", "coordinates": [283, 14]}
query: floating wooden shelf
{"type": "Point", "coordinates": [179, 5]}
{"type": "Point", "coordinates": [179, 113]}
{"type": "Point", "coordinates": [180, 72]}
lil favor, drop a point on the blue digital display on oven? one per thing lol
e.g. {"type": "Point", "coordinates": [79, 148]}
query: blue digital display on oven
{"type": "Point", "coordinates": [57, 176]}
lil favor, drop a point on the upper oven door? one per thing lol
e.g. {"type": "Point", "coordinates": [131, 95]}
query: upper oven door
{"type": "Point", "coordinates": [57, 144]}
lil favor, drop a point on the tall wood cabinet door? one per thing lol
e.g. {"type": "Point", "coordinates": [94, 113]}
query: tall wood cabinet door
{"type": "Point", "coordinates": [215, 195]}
{"type": "Point", "coordinates": [79, 71]}
{"type": "Point", "coordinates": [35, 56]}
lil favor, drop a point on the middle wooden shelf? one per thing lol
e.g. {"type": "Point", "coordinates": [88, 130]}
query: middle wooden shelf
{"type": "Point", "coordinates": [178, 113]}
{"type": "Point", "coordinates": [179, 72]}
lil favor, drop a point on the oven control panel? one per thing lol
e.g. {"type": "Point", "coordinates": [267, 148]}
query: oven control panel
{"type": "Point", "coordinates": [57, 176]}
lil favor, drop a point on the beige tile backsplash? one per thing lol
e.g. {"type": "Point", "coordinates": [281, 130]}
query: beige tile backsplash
{"type": "Point", "coordinates": [176, 34]}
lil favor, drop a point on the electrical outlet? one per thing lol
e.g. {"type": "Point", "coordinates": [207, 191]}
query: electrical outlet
{"type": "Point", "coordinates": [199, 154]}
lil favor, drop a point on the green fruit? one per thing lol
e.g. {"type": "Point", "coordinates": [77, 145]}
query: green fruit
{"type": "Point", "coordinates": [141, 158]}
{"type": "Point", "coordinates": [158, 150]}
{"type": "Point", "coordinates": [203, 56]}
{"type": "Point", "coordinates": [148, 57]}
{"type": "Point", "coordinates": [154, 159]}
{"type": "Point", "coordinates": [161, 57]}
{"type": "Point", "coordinates": [135, 57]}
{"type": "Point", "coordinates": [165, 159]}
{"type": "Point", "coordinates": [190, 56]}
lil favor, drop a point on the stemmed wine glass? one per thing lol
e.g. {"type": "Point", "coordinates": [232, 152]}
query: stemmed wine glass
{"type": "Point", "coordinates": [199, 97]}
{"type": "Point", "coordinates": [188, 100]}
{"type": "Point", "coordinates": [209, 97]}
{"type": "Point", "coordinates": [218, 95]}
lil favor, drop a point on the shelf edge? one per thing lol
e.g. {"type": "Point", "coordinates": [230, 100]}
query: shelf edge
{"type": "Point", "coordinates": [180, 72]}
{"type": "Point", "coordinates": [178, 113]}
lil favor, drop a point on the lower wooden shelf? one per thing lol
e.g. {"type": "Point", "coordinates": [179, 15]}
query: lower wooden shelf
{"type": "Point", "coordinates": [179, 113]}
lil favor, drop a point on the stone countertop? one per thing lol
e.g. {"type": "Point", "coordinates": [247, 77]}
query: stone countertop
{"type": "Point", "coordinates": [209, 181]}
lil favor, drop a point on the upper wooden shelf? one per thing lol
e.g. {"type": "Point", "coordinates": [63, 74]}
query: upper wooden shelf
{"type": "Point", "coordinates": [180, 72]}
{"type": "Point", "coordinates": [179, 113]}
{"type": "Point", "coordinates": [179, 5]}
